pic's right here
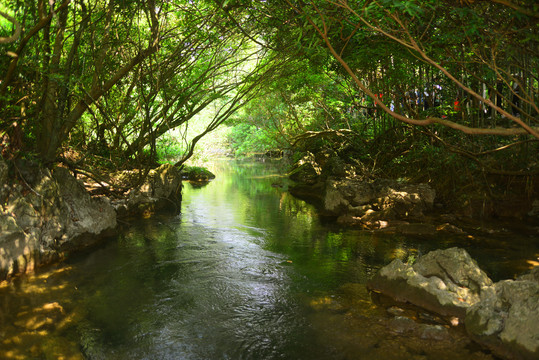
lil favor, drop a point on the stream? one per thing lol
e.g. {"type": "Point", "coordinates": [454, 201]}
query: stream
{"type": "Point", "coordinates": [243, 271]}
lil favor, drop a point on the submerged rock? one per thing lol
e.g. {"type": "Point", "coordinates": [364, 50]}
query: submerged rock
{"type": "Point", "coordinates": [402, 324]}
{"type": "Point", "coordinates": [406, 326]}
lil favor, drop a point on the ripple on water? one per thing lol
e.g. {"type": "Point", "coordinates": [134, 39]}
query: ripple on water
{"type": "Point", "coordinates": [244, 272]}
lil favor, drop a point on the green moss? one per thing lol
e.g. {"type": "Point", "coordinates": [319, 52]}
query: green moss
{"type": "Point", "coordinates": [197, 173]}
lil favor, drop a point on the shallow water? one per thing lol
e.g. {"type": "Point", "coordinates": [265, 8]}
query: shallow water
{"type": "Point", "coordinates": [245, 271]}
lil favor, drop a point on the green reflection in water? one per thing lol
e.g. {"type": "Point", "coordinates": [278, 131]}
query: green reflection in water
{"type": "Point", "coordinates": [245, 271]}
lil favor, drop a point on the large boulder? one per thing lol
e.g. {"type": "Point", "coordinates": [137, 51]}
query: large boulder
{"type": "Point", "coordinates": [372, 200]}
{"type": "Point", "coordinates": [408, 200]}
{"type": "Point", "coordinates": [161, 189]}
{"type": "Point", "coordinates": [85, 217]}
{"type": "Point", "coordinates": [506, 319]}
{"type": "Point", "coordinates": [45, 214]}
{"type": "Point", "coordinates": [306, 170]}
{"type": "Point", "coordinates": [446, 282]}
{"type": "Point", "coordinates": [503, 316]}
{"type": "Point", "coordinates": [349, 196]}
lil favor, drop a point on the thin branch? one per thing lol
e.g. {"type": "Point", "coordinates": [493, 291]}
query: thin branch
{"type": "Point", "coordinates": [16, 33]}
{"type": "Point", "coordinates": [412, 44]}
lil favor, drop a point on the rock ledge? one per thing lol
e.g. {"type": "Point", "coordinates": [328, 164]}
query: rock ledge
{"type": "Point", "coordinates": [502, 316]}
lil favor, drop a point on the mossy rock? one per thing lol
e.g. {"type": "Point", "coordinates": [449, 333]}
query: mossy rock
{"type": "Point", "coordinates": [197, 173]}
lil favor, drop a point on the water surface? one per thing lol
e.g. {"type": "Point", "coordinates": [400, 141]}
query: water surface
{"type": "Point", "coordinates": [244, 271]}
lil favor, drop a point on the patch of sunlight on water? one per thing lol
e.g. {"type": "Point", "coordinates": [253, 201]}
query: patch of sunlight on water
{"type": "Point", "coordinates": [533, 263]}
{"type": "Point", "coordinates": [245, 271]}
{"type": "Point", "coordinates": [36, 312]}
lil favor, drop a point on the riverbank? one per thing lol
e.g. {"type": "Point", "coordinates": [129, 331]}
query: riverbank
{"type": "Point", "coordinates": [447, 283]}
{"type": "Point", "coordinates": [242, 260]}
{"type": "Point", "coordinates": [347, 192]}
{"type": "Point", "coordinates": [48, 214]}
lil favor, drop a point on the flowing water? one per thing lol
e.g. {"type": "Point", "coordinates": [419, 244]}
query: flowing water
{"type": "Point", "coordinates": [244, 271]}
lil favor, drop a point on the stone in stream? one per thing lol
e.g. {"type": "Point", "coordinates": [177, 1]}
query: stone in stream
{"type": "Point", "coordinates": [446, 282]}
{"type": "Point", "coordinates": [503, 316]}
{"type": "Point", "coordinates": [506, 319]}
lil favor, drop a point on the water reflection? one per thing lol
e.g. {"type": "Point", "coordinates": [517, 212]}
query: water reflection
{"type": "Point", "coordinates": [246, 271]}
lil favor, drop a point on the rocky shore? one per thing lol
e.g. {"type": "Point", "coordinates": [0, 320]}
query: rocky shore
{"type": "Point", "coordinates": [342, 191]}
{"type": "Point", "coordinates": [46, 214]}
{"type": "Point", "coordinates": [447, 284]}
{"type": "Point", "coordinates": [354, 197]}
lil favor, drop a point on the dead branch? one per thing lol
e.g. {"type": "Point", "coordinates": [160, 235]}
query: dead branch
{"type": "Point", "coordinates": [484, 168]}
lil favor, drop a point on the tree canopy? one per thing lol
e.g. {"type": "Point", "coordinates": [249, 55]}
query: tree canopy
{"type": "Point", "coordinates": [110, 78]}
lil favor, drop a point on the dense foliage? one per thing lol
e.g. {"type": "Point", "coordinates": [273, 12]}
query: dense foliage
{"type": "Point", "coordinates": [395, 85]}
{"type": "Point", "coordinates": [109, 78]}
{"type": "Point", "coordinates": [438, 91]}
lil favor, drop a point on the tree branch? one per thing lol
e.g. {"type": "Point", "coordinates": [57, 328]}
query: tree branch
{"type": "Point", "coordinates": [16, 33]}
